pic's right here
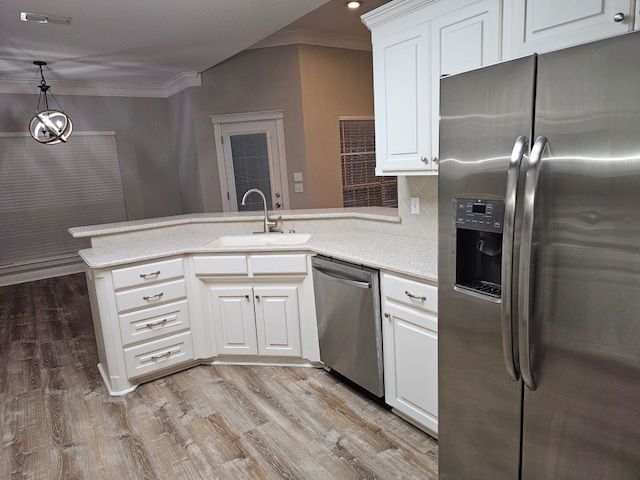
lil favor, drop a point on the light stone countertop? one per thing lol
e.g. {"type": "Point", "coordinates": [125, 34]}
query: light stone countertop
{"type": "Point", "coordinates": [371, 213]}
{"type": "Point", "coordinates": [416, 257]}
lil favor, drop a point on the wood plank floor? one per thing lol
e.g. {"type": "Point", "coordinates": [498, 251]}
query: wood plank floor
{"type": "Point", "coordinates": [57, 420]}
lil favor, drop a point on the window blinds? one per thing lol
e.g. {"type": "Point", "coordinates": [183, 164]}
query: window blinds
{"type": "Point", "coordinates": [46, 189]}
{"type": "Point", "coordinates": [250, 153]}
{"type": "Point", "coordinates": [360, 186]}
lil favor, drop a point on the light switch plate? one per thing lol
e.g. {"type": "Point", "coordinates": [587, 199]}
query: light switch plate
{"type": "Point", "coordinates": [415, 205]}
{"type": "Point", "coordinates": [298, 187]}
{"type": "Point", "coordinates": [297, 177]}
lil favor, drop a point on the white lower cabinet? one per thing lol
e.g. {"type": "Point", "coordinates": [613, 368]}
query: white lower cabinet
{"type": "Point", "coordinates": [155, 318]}
{"type": "Point", "coordinates": [410, 339]}
{"type": "Point", "coordinates": [256, 320]}
{"type": "Point", "coordinates": [264, 309]}
{"type": "Point", "coordinates": [142, 322]}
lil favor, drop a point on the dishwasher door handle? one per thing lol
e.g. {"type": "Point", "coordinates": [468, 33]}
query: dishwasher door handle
{"type": "Point", "coordinates": [345, 281]}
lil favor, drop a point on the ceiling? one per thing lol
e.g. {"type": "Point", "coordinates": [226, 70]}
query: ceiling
{"type": "Point", "coordinates": [151, 43]}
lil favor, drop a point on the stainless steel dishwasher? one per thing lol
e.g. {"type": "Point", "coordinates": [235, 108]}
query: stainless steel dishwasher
{"type": "Point", "coordinates": [349, 327]}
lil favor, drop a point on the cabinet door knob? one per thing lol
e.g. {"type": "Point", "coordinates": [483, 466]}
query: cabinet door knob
{"type": "Point", "coordinates": [424, 159]}
{"type": "Point", "coordinates": [247, 297]}
{"type": "Point", "coordinates": [257, 297]}
{"type": "Point", "coordinates": [618, 17]}
{"type": "Point", "coordinates": [435, 160]}
{"type": "Point", "coordinates": [386, 315]}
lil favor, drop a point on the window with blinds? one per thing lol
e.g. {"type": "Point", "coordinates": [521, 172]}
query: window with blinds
{"type": "Point", "coordinates": [250, 154]}
{"type": "Point", "coordinates": [360, 186]}
{"type": "Point", "coordinates": [46, 189]}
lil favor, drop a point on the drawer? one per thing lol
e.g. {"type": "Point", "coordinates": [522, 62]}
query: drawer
{"type": "Point", "coordinates": [158, 355]}
{"type": "Point", "coordinates": [147, 273]}
{"type": "Point", "coordinates": [265, 264]}
{"type": "Point", "coordinates": [410, 292]}
{"type": "Point", "coordinates": [151, 295]}
{"type": "Point", "coordinates": [221, 265]}
{"type": "Point", "coordinates": [154, 322]}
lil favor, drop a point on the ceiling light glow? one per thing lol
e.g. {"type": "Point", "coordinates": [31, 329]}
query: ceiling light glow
{"type": "Point", "coordinates": [354, 5]}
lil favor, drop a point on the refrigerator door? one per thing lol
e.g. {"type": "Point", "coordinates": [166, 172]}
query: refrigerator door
{"type": "Point", "coordinates": [483, 115]}
{"type": "Point", "coordinates": [583, 419]}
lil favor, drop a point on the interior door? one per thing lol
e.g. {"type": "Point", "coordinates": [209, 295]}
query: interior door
{"type": "Point", "coordinates": [253, 157]}
{"type": "Point", "coordinates": [583, 418]}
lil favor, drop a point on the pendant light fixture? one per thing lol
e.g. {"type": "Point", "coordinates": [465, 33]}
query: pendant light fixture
{"type": "Point", "coordinates": [49, 126]}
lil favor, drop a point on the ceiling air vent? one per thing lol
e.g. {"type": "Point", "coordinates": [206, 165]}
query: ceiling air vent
{"type": "Point", "coordinates": [44, 18]}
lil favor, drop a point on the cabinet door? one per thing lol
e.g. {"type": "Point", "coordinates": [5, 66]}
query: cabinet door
{"type": "Point", "coordinates": [401, 92]}
{"type": "Point", "coordinates": [411, 364]}
{"type": "Point", "coordinates": [277, 321]}
{"type": "Point", "coordinates": [537, 26]}
{"type": "Point", "coordinates": [462, 40]}
{"type": "Point", "coordinates": [233, 320]}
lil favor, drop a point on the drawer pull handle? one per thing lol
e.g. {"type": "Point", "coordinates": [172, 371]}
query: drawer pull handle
{"type": "Point", "coordinates": [415, 297]}
{"type": "Point", "coordinates": [157, 296]}
{"type": "Point", "coordinates": [148, 275]}
{"type": "Point", "coordinates": [157, 322]}
{"type": "Point", "coordinates": [162, 355]}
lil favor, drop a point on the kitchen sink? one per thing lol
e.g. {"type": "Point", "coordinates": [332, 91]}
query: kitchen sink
{"type": "Point", "coordinates": [265, 239]}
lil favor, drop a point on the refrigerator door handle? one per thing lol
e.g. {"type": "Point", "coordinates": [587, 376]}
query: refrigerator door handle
{"type": "Point", "coordinates": [524, 288]}
{"type": "Point", "coordinates": [509, 355]}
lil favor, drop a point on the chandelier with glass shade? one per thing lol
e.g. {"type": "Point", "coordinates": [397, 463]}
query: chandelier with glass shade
{"type": "Point", "coordinates": [49, 126]}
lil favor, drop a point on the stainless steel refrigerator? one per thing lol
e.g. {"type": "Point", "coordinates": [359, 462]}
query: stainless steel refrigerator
{"type": "Point", "coordinates": [539, 267]}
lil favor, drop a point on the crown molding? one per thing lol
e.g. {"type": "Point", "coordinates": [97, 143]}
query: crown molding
{"type": "Point", "coordinates": [393, 10]}
{"type": "Point", "coordinates": [313, 37]}
{"type": "Point", "coordinates": [99, 89]}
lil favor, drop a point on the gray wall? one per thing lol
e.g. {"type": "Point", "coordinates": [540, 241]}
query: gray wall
{"type": "Point", "coordinates": [252, 81]}
{"type": "Point", "coordinates": [143, 138]}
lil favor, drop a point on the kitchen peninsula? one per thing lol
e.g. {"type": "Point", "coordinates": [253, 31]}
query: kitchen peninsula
{"type": "Point", "coordinates": [166, 294]}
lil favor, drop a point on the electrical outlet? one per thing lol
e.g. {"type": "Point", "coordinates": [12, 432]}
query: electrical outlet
{"type": "Point", "coordinates": [297, 176]}
{"type": "Point", "coordinates": [415, 205]}
{"type": "Point", "coordinates": [298, 187]}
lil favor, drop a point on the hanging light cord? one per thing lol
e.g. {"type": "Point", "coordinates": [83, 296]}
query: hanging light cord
{"type": "Point", "coordinates": [44, 89]}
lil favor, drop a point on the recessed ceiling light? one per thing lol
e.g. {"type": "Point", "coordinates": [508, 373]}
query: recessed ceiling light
{"type": "Point", "coordinates": [44, 18]}
{"type": "Point", "coordinates": [354, 5]}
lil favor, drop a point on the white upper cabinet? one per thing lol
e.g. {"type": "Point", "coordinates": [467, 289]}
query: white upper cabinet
{"type": "Point", "coordinates": [537, 26]}
{"type": "Point", "coordinates": [414, 43]}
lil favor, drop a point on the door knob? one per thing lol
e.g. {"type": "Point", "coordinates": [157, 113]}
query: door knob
{"type": "Point", "coordinates": [277, 195]}
{"type": "Point", "coordinates": [618, 17]}
{"type": "Point", "coordinates": [278, 205]}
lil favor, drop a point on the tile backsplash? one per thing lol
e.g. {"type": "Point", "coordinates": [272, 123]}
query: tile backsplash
{"type": "Point", "coordinates": [425, 224]}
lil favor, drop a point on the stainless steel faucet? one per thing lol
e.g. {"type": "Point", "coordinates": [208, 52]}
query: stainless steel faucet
{"type": "Point", "coordinates": [269, 224]}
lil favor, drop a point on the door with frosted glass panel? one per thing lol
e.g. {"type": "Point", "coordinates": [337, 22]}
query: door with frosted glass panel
{"type": "Point", "coordinates": [253, 158]}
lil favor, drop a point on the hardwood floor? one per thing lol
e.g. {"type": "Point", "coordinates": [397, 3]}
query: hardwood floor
{"type": "Point", "coordinates": [210, 422]}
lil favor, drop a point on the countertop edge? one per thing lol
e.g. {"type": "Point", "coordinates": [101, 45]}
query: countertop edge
{"type": "Point", "coordinates": [379, 214]}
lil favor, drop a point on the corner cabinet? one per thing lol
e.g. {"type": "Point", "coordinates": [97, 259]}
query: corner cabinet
{"type": "Point", "coordinates": [415, 42]}
{"type": "Point", "coordinates": [410, 336]}
{"type": "Point", "coordinates": [538, 26]}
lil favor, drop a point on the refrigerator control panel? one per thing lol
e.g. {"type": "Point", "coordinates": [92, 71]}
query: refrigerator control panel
{"type": "Point", "coordinates": [480, 214]}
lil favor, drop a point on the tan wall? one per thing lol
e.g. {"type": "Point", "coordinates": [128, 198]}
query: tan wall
{"type": "Point", "coordinates": [335, 82]}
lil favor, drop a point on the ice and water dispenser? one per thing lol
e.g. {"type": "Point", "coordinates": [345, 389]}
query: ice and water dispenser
{"type": "Point", "coordinates": [479, 245]}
